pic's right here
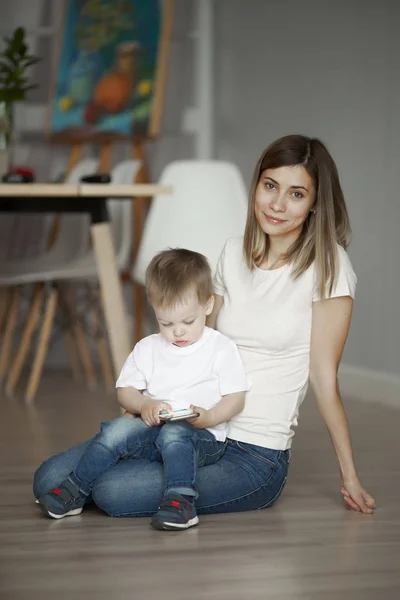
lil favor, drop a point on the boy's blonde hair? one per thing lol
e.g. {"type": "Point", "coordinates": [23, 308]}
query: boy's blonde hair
{"type": "Point", "coordinates": [175, 273]}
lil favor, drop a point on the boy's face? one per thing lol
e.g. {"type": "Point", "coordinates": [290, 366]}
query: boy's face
{"type": "Point", "coordinates": [183, 324]}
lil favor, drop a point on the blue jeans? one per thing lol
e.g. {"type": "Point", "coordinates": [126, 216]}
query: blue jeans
{"type": "Point", "coordinates": [247, 477]}
{"type": "Point", "coordinates": [178, 445]}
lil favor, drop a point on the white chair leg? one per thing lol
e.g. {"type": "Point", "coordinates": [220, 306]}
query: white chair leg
{"type": "Point", "coordinates": [5, 294]}
{"type": "Point", "coordinates": [72, 352]}
{"type": "Point", "coordinates": [79, 338]}
{"type": "Point", "coordinates": [69, 340]}
{"type": "Point", "coordinates": [7, 343]}
{"type": "Point", "coordinates": [31, 323]}
{"type": "Point", "coordinates": [43, 343]}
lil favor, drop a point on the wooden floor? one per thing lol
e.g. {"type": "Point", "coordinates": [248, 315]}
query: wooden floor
{"type": "Point", "coordinates": [306, 547]}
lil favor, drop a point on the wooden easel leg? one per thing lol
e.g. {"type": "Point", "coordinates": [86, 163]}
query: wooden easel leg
{"type": "Point", "coordinates": [105, 158]}
{"type": "Point", "coordinates": [140, 206]}
{"type": "Point", "coordinates": [31, 323]}
{"type": "Point", "coordinates": [74, 157]}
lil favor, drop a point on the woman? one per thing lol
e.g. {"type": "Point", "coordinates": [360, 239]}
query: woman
{"type": "Point", "coordinates": [284, 294]}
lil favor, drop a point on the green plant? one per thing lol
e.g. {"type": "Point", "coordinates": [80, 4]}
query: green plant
{"type": "Point", "coordinates": [14, 62]}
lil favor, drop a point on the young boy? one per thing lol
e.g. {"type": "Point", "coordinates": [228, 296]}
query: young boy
{"type": "Point", "coordinates": [186, 365]}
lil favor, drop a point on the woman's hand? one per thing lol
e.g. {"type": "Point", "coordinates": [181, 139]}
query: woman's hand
{"type": "Point", "coordinates": [150, 410]}
{"type": "Point", "coordinates": [356, 497]}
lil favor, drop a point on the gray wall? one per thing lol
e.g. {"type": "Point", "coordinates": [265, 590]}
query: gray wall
{"type": "Point", "coordinates": [332, 70]}
{"type": "Point", "coordinates": [318, 67]}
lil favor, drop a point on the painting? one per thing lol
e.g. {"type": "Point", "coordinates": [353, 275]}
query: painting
{"type": "Point", "coordinates": [110, 71]}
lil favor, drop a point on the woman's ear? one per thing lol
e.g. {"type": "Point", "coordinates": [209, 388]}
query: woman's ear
{"type": "Point", "coordinates": [210, 305]}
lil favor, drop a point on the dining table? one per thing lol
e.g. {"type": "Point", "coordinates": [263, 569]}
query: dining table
{"type": "Point", "coordinates": [90, 198]}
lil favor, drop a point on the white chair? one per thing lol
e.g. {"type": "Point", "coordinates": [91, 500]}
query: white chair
{"type": "Point", "coordinates": [207, 206]}
{"type": "Point", "coordinates": [72, 239]}
{"type": "Point", "coordinates": [80, 266]}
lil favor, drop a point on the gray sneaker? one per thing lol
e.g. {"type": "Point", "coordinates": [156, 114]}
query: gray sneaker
{"type": "Point", "coordinates": [175, 513]}
{"type": "Point", "coordinates": [66, 500]}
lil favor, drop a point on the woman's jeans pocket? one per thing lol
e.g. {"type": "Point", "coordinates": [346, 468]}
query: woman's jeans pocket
{"type": "Point", "coordinates": [267, 455]}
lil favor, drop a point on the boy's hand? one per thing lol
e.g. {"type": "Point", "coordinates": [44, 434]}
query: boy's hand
{"type": "Point", "coordinates": [150, 410]}
{"type": "Point", "coordinates": [203, 420]}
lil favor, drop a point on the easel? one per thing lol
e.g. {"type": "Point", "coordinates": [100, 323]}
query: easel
{"type": "Point", "coordinates": [140, 204]}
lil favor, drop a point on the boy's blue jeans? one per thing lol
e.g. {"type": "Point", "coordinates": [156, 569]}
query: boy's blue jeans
{"type": "Point", "coordinates": [179, 445]}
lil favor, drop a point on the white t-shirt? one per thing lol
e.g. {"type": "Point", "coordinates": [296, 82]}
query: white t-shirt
{"type": "Point", "coordinates": [268, 315]}
{"type": "Point", "coordinates": [198, 374]}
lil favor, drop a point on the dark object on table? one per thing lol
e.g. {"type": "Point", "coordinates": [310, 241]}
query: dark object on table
{"type": "Point", "coordinates": [14, 177]}
{"type": "Point", "coordinates": [96, 178]}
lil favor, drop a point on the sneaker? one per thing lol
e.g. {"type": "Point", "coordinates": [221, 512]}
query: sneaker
{"type": "Point", "coordinates": [174, 513]}
{"type": "Point", "coordinates": [66, 500]}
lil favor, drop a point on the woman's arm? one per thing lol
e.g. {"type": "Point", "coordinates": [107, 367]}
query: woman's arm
{"type": "Point", "coordinates": [212, 318]}
{"type": "Point", "coordinates": [330, 325]}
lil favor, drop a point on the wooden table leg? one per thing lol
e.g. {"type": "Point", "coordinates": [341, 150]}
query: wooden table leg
{"type": "Point", "coordinates": [139, 208]}
{"type": "Point", "coordinates": [111, 295]}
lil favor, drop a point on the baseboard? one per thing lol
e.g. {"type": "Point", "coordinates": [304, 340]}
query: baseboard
{"type": "Point", "coordinates": [369, 385]}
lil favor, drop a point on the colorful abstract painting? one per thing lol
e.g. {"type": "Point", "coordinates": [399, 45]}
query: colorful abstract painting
{"type": "Point", "coordinates": [106, 77]}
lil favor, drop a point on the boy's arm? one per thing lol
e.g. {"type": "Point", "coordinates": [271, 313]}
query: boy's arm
{"type": "Point", "coordinates": [132, 380]}
{"type": "Point", "coordinates": [229, 406]}
{"type": "Point", "coordinates": [135, 403]}
{"type": "Point", "coordinates": [131, 399]}
{"type": "Point", "coordinates": [231, 377]}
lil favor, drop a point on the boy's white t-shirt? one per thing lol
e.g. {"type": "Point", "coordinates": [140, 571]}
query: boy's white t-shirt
{"type": "Point", "coordinates": [268, 315]}
{"type": "Point", "coordinates": [198, 374]}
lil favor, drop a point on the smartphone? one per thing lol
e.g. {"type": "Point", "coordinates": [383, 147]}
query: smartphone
{"type": "Point", "coordinates": [178, 415]}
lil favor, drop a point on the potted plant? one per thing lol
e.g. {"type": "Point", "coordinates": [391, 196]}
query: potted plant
{"type": "Point", "coordinates": [15, 60]}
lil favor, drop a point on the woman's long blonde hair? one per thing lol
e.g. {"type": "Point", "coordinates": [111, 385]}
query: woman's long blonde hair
{"type": "Point", "coordinates": [322, 230]}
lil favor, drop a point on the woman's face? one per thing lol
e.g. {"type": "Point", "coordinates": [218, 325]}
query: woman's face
{"type": "Point", "coordinates": [284, 198]}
